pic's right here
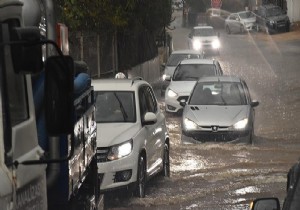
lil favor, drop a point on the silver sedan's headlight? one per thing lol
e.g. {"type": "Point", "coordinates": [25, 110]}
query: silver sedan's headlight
{"type": "Point", "coordinates": [171, 93]}
{"type": "Point", "coordinates": [216, 44]}
{"type": "Point", "coordinates": [197, 44]}
{"type": "Point", "coordinates": [119, 151]}
{"type": "Point", "coordinates": [241, 124]}
{"type": "Point", "coordinates": [189, 124]}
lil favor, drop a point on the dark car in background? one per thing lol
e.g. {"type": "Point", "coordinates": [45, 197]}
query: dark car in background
{"type": "Point", "coordinates": [292, 199]}
{"type": "Point", "coordinates": [272, 19]}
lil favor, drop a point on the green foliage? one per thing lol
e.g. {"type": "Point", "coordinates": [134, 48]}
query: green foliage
{"type": "Point", "coordinates": [114, 14]}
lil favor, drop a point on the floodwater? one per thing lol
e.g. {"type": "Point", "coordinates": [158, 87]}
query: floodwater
{"type": "Point", "coordinates": [221, 176]}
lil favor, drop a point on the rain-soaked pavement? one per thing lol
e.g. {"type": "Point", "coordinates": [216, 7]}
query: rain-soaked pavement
{"type": "Point", "coordinates": [220, 176]}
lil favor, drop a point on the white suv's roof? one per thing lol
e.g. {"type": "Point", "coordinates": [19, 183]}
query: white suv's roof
{"type": "Point", "coordinates": [197, 61]}
{"type": "Point", "coordinates": [117, 84]}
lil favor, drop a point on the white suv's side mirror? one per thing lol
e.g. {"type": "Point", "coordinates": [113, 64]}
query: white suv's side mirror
{"type": "Point", "coordinates": [149, 118]}
{"type": "Point", "coordinates": [168, 78]}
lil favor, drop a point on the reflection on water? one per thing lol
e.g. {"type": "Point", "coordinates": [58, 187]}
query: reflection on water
{"type": "Point", "coordinates": [245, 190]}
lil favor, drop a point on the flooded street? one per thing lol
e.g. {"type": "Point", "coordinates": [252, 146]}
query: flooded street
{"type": "Point", "coordinates": [221, 176]}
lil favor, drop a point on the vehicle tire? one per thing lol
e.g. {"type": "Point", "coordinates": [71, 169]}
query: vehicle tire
{"type": "Point", "coordinates": [166, 161]}
{"type": "Point", "coordinates": [228, 30]}
{"type": "Point", "coordinates": [140, 187]}
{"type": "Point", "coordinates": [185, 139]}
{"type": "Point", "coordinates": [257, 28]}
{"type": "Point", "coordinates": [242, 29]}
{"type": "Point", "coordinates": [287, 27]}
{"type": "Point", "coordinates": [251, 136]}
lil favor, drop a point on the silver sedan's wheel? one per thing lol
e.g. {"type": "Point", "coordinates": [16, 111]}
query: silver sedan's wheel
{"type": "Point", "coordinates": [141, 178]}
{"type": "Point", "coordinates": [242, 29]}
{"type": "Point", "coordinates": [257, 28]}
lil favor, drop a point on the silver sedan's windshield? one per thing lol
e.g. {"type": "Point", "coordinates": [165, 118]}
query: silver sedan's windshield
{"type": "Point", "coordinates": [218, 94]}
{"type": "Point", "coordinates": [245, 15]}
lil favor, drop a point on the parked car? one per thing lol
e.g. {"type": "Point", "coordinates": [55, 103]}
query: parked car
{"type": "Point", "coordinates": [133, 142]}
{"type": "Point", "coordinates": [272, 19]}
{"type": "Point", "coordinates": [240, 22]}
{"type": "Point", "coordinates": [219, 109]}
{"type": "Point", "coordinates": [184, 78]}
{"type": "Point", "coordinates": [173, 61]}
{"type": "Point", "coordinates": [291, 201]}
{"type": "Point", "coordinates": [204, 38]}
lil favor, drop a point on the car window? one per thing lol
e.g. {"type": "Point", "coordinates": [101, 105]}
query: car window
{"type": "Point", "coordinates": [245, 15]}
{"type": "Point", "coordinates": [218, 93]}
{"type": "Point", "coordinates": [188, 72]}
{"type": "Point", "coordinates": [150, 100]}
{"type": "Point", "coordinates": [115, 106]}
{"type": "Point", "coordinates": [204, 32]}
{"type": "Point", "coordinates": [274, 11]}
{"type": "Point", "coordinates": [174, 59]}
{"type": "Point", "coordinates": [232, 17]}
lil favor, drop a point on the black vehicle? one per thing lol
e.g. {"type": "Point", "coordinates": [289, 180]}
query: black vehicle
{"type": "Point", "coordinates": [291, 201]}
{"type": "Point", "coordinates": [272, 19]}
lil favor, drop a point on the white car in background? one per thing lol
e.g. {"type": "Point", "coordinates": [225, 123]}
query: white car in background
{"type": "Point", "coordinates": [173, 60]}
{"type": "Point", "coordinates": [132, 137]}
{"type": "Point", "coordinates": [240, 22]}
{"type": "Point", "coordinates": [205, 39]}
{"type": "Point", "coordinates": [186, 74]}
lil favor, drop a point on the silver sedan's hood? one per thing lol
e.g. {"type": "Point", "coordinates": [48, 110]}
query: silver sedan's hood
{"type": "Point", "coordinates": [109, 134]}
{"type": "Point", "coordinates": [182, 87]}
{"type": "Point", "coordinates": [216, 115]}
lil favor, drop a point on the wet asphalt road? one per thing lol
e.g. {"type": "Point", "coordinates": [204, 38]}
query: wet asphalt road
{"type": "Point", "coordinates": [225, 176]}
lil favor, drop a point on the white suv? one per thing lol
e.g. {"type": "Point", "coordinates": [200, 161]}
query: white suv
{"type": "Point", "coordinates": [185, 76]}
{"type": "Point", "coordinates": [132, 137]}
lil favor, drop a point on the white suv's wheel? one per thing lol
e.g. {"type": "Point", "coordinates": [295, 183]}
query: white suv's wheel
{"type": "Point", "coordinates": [141, 178]}
{"type": "Point", "coordinates": [166, 161]}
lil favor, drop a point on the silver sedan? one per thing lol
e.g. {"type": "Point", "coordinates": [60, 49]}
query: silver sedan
{"type": "Point", "coordinates": [240, 22]}
{"type": "Point", "coordinates": [219, 109]}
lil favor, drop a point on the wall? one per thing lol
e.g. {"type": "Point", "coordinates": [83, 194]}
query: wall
{"type": "Point", "coordinates": [293, 10]}
{"type": "Point", "coordinates": [149, 71]}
